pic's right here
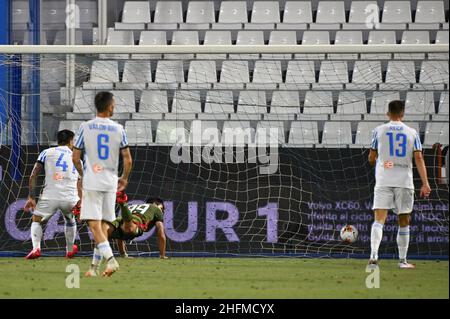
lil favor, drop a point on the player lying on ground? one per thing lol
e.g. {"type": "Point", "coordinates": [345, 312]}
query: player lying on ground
{"type": "Point", "coordinates": [62, 191]}
{"type": "Point", "coordinates": [134, 221]}
{"type": "Point", "coordinates": [394, 145]}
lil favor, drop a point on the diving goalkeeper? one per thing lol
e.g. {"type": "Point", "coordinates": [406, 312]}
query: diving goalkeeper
{"type": "Point", "coordinates": [133, 222]}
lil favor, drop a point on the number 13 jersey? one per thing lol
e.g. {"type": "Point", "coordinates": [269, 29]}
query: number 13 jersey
{"type": "Point", "coordinates": [395, 143]}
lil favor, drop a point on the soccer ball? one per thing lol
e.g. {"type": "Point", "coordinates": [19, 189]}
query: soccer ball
{"type": "Point", "coordinates": [349, 234]}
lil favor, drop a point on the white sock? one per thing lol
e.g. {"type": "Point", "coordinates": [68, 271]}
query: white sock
{"type": "Point", "coordinates": [36, 235]}
{"type": "Point", "coordinates": [70, 230]}
{"type": "Point", "coordinates": [96, 258]}
{"type": "Point", "coordinates": [105, 250]}
{"type": "Point", "coordinates": [403, 242]}
{"type": "Point", "coordinates": [375, 239]}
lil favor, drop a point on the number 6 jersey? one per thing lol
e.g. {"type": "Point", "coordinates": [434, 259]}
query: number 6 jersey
{"type": "Point", "coordinates": [101, 139]}
{"type": "Point", "coordinates": [61, 177]}
{"type": "Point", "coordinates": [395, 143]}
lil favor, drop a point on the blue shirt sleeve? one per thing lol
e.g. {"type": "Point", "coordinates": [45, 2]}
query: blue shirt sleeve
{"type": "Point", "coordinates": [124, 142]}
{"type": "Point", "coordinates": [80, 138]}
{"type": "Point", "coordinates": [417, 143]}
{"type": "Point", "coordinates": [374, 144]}
{"type": "Point", "coordinates": [42, 156]}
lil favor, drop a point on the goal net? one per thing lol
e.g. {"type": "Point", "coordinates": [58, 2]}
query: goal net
{"type": "Point", "coordinates": [253, 153]}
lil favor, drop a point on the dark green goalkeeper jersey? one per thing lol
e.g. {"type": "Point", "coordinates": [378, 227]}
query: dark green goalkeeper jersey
{"type": "Point", "coordinates": [143, 215]}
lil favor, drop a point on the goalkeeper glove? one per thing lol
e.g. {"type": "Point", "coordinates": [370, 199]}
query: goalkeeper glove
{"type": "Point", "coordinates": [121, 198]}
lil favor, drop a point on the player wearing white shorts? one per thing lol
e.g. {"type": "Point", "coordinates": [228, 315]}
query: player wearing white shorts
{"type": "Point", "coordinates": [102, 141]}
{"type": "Point", "coordinates": [61, 192]}
{"type": "Point", "coordinates": [394, 145]}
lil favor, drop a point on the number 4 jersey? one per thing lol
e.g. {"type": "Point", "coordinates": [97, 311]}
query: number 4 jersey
{"type": "Point", "coordinates": [395, 143]}
{"type": "Point", "coordinates": [101, 139]}
{"type": "Point", "coordinates": [61, 177]}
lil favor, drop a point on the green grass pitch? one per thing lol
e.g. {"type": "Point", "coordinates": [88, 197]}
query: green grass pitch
{"type": "Point", "coordinates": [224, 278]}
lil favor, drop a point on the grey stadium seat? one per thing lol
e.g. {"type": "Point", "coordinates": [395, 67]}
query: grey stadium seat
{"type": "Point", "coordinates": [366, 75]}
{"type": "Point", "coordinates": [183, 38]}
{"type": "Point", "coordinates": [167, 15]}
{"type": "Point", "coordinates": [136, 75]}
{"type": "Point", "coordinates": [350, 106]}
{"type": "Point", "coordinates": [118, 37]}
{"type": "Point", "coordinates": [83, 102]}
{"type": "Point", "coordinates": [444, 103]}
{"type": "Point", "coordinates": [199, 15]}
{"type": "Point", "coordinates": [266, 75]}
{"type": "Point", "coordinates": [363, 15]}
{"type": "Point", "coordinates": [135, 15]}
{"type": "Point", "coordinates": [396, 14]}
{"type": "Point", "coordinates": [168, 74]}
{"type": "Point", "coordinates": [429, 14]}
{"type": "Point", "coordinates": [343, 38]}
{"type": "Point", "coordinates": [202, 74]}
{"type": "Point", "coordinates": [204, 132]}
{"type": "Point", "coordinates": [399, 75]}
{"type": "Point", "coordinates": [281, 38]}
{"type": "Point", "coordinates": [264, 15]}
{"type": "Point", "coordinates": [330, 15]}
{"type": "Point", "coordinates": [436, 133]}
{"type": "Point", "coordinates": [237, 133]}
{"type": "Point", "coordinates": [270, 133]}
{"type": "Point", "coordinates": [318, 103]}
{"type": "Point", "coordinates": [185, 105]}
{"type": "Point", "coordinates": [248, 38]}
{"type": "Point", "coordinates": [103, 75]}
{"type": "Point", "coordinates": [337, 134]}
{"type": "Point", "coordinates": [125, 102]}
{"type": "Point", "coordinates": [314, 38]}
{"type": "Point", "coordinates": [297, 15]}
{"type": "Point", "coordinates": [218, 105]}
{"type": "Point", "coordinates": [284, 105]}
{"type": "Point", "coordinates": [251, 105]}
{"type": "Point", "coordinates": [151, 38]}
{"type": "Point", "coordinates": [413, 37]}
{"type": "Point", "coordinates": [419, 104]}
{"type": "Point", "coordinates": [380, 37]}
{"type": "Point", "coordinates": [139, 132]}
{"type": "Point", "coordinates": [364, 133]}
{"type": "Point", "coordinates": [299, 75]}
{"type": "Point", "coordinates": [333, 75]}
{"type": "Point", "coordinates": [379, 104]}
{"type": "Point", "coordinates": [153, 105]}
{"type": "Point", "coordinates": [433, 75]}
{"type": "Point", "coordinates": [171, 132]}
{"type": "Point", "coordinates": [234, 74]}
{"type": "Point", "coordinates": [303, 134]}
{"type": "Point", "coordinates": [216, 38]}
{"type": "Point", "coordinates": [232, 15]}
{"type": "Point", "coordinates": [441, 38]}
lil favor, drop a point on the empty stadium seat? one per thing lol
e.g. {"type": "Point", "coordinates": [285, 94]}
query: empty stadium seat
{"type": "Point", "coordinates": [413, 37]}
{"type": "Point", "coordinates": [20, 15]}
{"type": "Point", "coordinates": [135, 15]}
{"type": "Point", "coordinates": [151, 38]}
{"type": "Point", "coordinates": [350, 106]}
{"type": "Point", "coordinates": [318, 103]}
{"type": "Point", "coordinates": [366, 75]}
{"type": "Point", "coordinates": [136, 75]}
{"type": "Point", "coordinates": [73, 126]}
{"type": "Point", "coordinates": [53, 14]}
{"type": "Point", "coordinates": [270, 133]}
{"type": "Point", "coordinates": [139, 132]}
{"type": "Point", "coordinates": [186, 104]}
{"type": "Point", "coordinates": [199, 15]}
{"type": "Point", "coordinates": [436, 133]}
{"type": "Point", "coordinates": [418, 105]}
{"type": "Point", "coordinates": [281, 38]}
{"type": "Point", "coordinates": [444, 104]}
{"type": "Point", "coordinates": [84, 101]}
{"type": "Point", "coordinates": [433, 75]}
{"type": "Point", "coordinates": [303, 134]}
{"type": "Point", "coordinates": [396, 14]}
{"type": "Point", "coordinates": [183, 38]}
{"type": "Point", "coordinates": [399, 75]}
{"type": "Point", "coordinates": [264, 15]}
{"type": "Point", "coordinates": [167, 15]}
{"type": "Point", "coordinates": [299, 75]}
{"type": "Point", "coordinates": [380, 37]}
{"type": "Point", "coordinates": [125, 103]}
{"type": "Point", "coordinates": [363, 15]}
{"type": "Point", "coordinates": [232, 15]}
{"type": "Point", "coordinates": [88, 14]}
{"type": "Point", "coordinates": [429, 14]}
{"type": "Point", "coordinates": [60, 38]}
{"type": "Point", "coordinates": [266, 75]}
{"type": "Point", "coordinates": [248, 38]}
{"type": "Point", "coordinates": [441, 38]}
{"type": "Point", "coordinates": [204, 132]}
{"type": "Point", "coordinates": [153, 105]}
{"type": "Point", "coordinates": [251, 105]}
{"type": "Point", "coordinates": [103, 75]}
{"type": "Point", "coordinates": [171, 132]}
{"type": "Point", "coordinates": [118, 37]}
{"type": "Point", "coordinates": [314, 38]}
{"type": "Point", "coordinates": [346, 37]}
{"type": "Point", "coordinates": [216, 38]}
{"type": "Point", "coordinates": [234, 74]}
{"type": "Point", "coordinates": [297, 15]}
{"type": "Point", "coordinates": [364, 133]}
{"type": "Point", "coordinates": [202, 74]}
{"type": "Point", "coordinates": [168, 75]}
{"type": "Point", "coordinates": [218, 105]}
{"type": "Point", "coordinates": [337, 134]}
{"type": "Point", "coordinates": [379, 104]}
{"type": "Point", "coordinates": [330, 15]}
{"type": "Point", "coordinates": [237, 133]}
{"type": "Point", "coordinates": [285, 105]}
{"type": "Point", "coordinates": [333, 75]}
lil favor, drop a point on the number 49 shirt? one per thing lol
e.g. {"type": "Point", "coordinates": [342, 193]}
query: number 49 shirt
{"type": "Point", "coordinates": [101, 139]}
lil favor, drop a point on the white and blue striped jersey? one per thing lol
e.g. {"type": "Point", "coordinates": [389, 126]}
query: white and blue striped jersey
{"type": "Point", "coordinates": [395, 143]}
{"type": "Point", "coordinates": [61, 176]}
{"type": "Point", "coordinates": [101, 139]}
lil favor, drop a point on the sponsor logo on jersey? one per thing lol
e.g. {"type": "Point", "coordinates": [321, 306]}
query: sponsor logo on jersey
{"type": "Point", "coordinates": [97, 168]}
